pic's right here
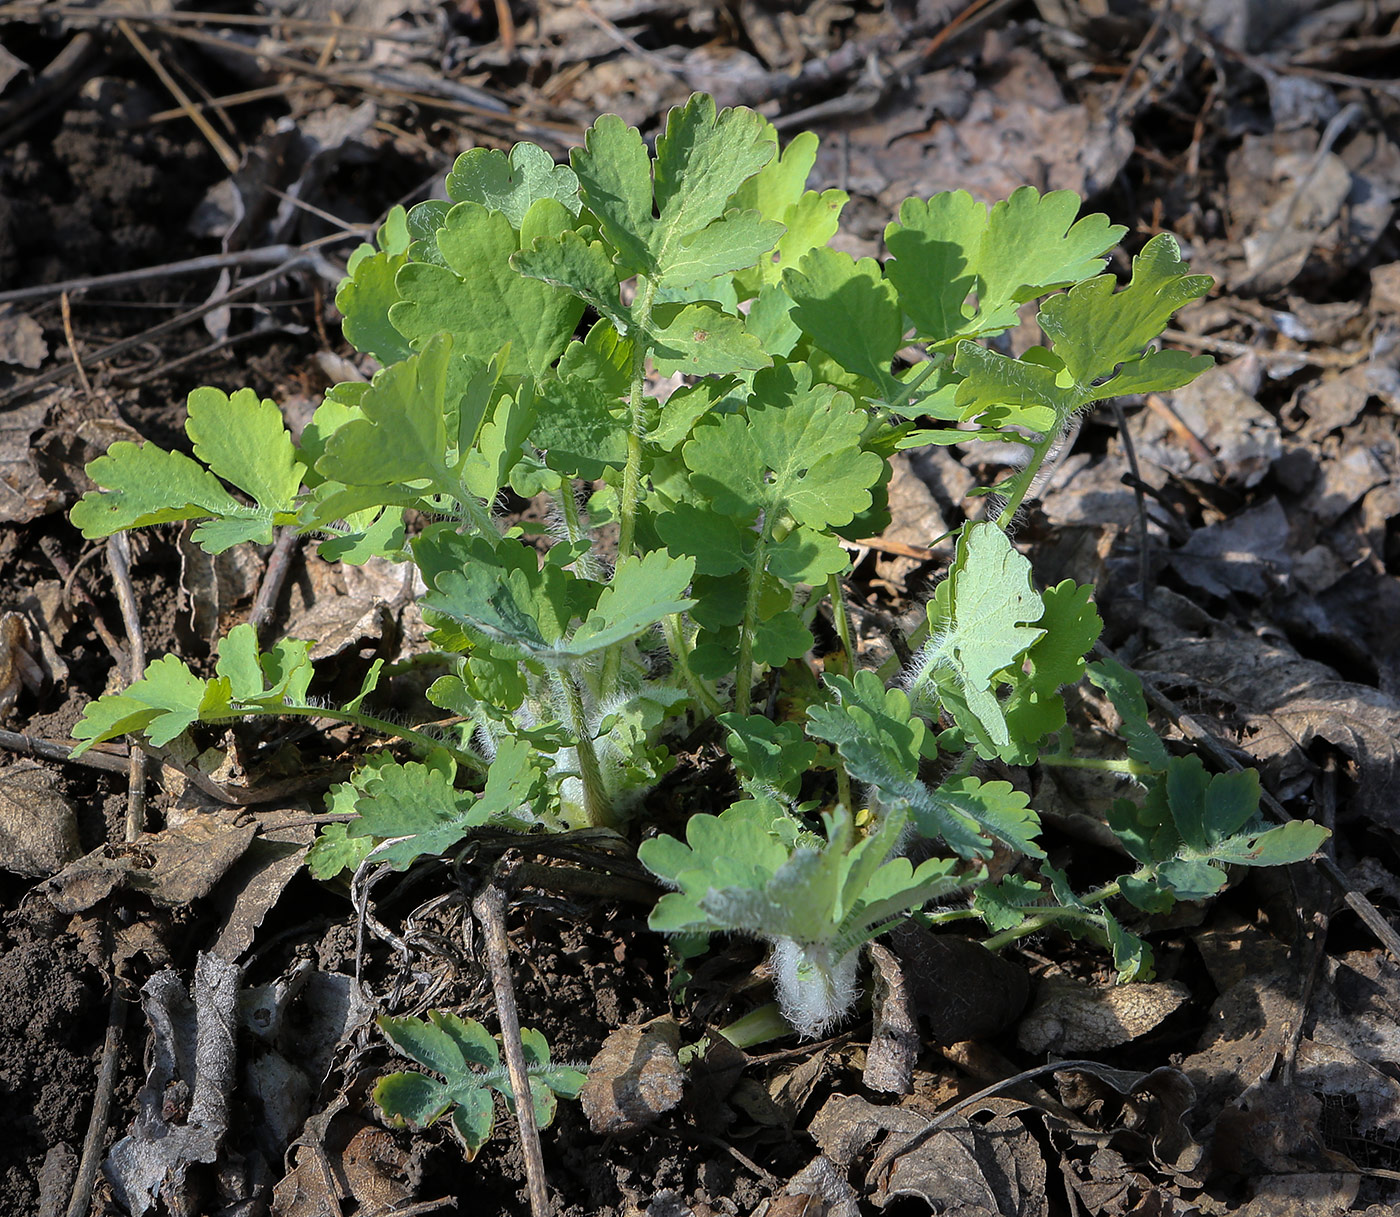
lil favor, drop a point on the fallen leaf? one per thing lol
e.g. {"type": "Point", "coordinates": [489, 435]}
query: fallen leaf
{"type": "Point", "coordinates": [182, 1110]}
{"type": "Point", "coordinates": [21, 337]}
{"type": "Point", "coordinates": [960, 990]}
{"type": "Point", "coordinates": [173, 866]}
{"type": "Point", "coordinates": [894, 1037]}
{"type": "Point", "coordinates": [38, 827]}
{"type": "Point", "coordinates": [1069, 1019]}
{"type": "Point", "coordinates": [634, 1079]}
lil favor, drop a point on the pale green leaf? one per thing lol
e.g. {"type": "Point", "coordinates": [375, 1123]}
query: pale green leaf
{"type": "Point", "coordinates": [402, 434]}
{"type": "Point", "coordinates": [850, 311]}
{"type": "Point", "coordinates": [699, 340]}
{"type": "Point", "coordinates": [511, 184]}
{"type": "Point", "coordinates": [245, 441]}
{"type": "Point", "coordinates": [1094, 328]}
{"type": "Point", "coordinates": [480, 300]}
{"type": "Point", "coordinates": [147, 485]}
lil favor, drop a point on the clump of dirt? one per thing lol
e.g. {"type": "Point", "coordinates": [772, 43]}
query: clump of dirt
{"type": "Point", "coordinates": [52, 1016]}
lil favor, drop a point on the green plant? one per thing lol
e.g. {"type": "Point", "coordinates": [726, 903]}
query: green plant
{"type": "Point", "coordinates": [516, 325]}
{"type": "Point", "coordinates": [468, 1059]}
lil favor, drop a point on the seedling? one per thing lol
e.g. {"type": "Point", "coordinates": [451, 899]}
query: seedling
{"type": "Point", "coordinates": [516, 324]}
{"type": "Point", "coordinates": [468, 1059]}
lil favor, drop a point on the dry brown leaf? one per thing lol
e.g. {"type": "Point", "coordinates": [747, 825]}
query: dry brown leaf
{"type": "Point", "coordinates": [1069, 1018]}
{"type": "Point", "coordinates": [38, 827]}
{"type": "Point", "coordinates": [634, 1079]}
{"type": "Point", "coordinates": [894, 1038]}
{"type": "Point", "coordinates": [173, 866]}
{"type": "Point", "coordinates": [961, 990]}
{"type": "Point", "coordinates": [982, 1168]}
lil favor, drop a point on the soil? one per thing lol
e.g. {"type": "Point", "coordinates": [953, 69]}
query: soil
{"type": "Point", "coordinates": [1275, 551]}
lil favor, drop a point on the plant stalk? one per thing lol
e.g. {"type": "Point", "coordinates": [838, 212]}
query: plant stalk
{"type": "Point", "coordinates": [743, 682]}
{"type": "Point", "coordinates": [843, 630]}
{"type": "Point", "coordinates": [596, 805]}
{"type": "Point", "coordinates": [383, 726]}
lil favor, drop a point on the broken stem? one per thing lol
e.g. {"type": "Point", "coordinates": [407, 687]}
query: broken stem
{"type": "Point", "coordinates": [489, 908]}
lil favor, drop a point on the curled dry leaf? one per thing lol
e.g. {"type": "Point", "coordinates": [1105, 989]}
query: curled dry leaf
{"type": "Point", "coordinates": [38, 828]}
{"type": "Point", "coordinates": [635, 1078]}
{"type": "Point", "coordinates": [1070, 1019]}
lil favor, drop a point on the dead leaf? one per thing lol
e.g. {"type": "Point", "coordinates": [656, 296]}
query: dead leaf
{"type": "Point", "coordinates": [955, 128]}
{"type": "Point", "coordinates": [1333, 403]}
{"type": "Point", "coordinates": [1303, 1195]}
{"type": "Point", "coordinates": [212, 585]}
{"type": "Point", "coordinates": [894, 1038]}
{"type": "Point", "coordinates": [21, 337]}
{"type": "Point", "coordinates": [18, 668]}
{"type": "Point", "coordinates": [634, 1079]}
{"type": "Point", "coordinates": [182, 1110]}
{"type": "Point", "coordinates": [355, 606]}
{"type": "Point", "coordinates": [1219, 410]}
{"type": "Point", "coordinates": [24, 496]}
{"type": "Point", "coordinates": [819, 1189]}
{"type": "Point", "coordinates": [961, 990]}
{"type": "Point", "coordinates": [1070, 1019]}
{"type": "Point", "coordinates": [38, 827]}
{"type": "Point", "coordinates": [987, 1168]}
{"type": "Point", "coordinates": [1246, 553]}
{"type": "Point", "coordinates": [345, 1164]}
{"type": "Point", "coordinates": [848, 1124]}
{"type": "Point", "coordinates": [1286, 704]}
{"type": "Point", "coordinates": [173, 866]}
{"type": "Point", "coordinates": [256, 881]}
{"type": "Point", "coordinates": [1147, 1113]}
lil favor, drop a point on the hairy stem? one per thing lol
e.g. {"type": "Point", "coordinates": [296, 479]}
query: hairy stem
{"type": "Point", "coordinates": [679, 645]}
{"type": "Point", "coordinates": [843, 629]}
{"type": "Point", "coordinates": [1103, 764]}
{"type": "Point", "coordinates": [596, 805]}
{"type": "Point", "coordinates": [1047, 917]}
{"type": "Point", "coordinates": [632, 471]}
{"type": "Point", "coordinates": [743, 683]}
{"type": "Point", "coordinates": [383, 726]}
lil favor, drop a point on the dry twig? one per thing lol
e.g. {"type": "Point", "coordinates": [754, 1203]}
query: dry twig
{"type": "Point", "coordinates": [488, 906]}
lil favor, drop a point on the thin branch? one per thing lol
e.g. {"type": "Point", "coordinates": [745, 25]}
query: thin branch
{"type": "Point", "coordinates": [304, 258]}
{"type": "Point", "coordinates": [266, 255]}
{"type": "Point", "coordinates": [274, 578]}
{"type": "Point", "coordinates": [52, 750]}
{"type": "Point", "coordinates": [489, 908]}
{"type": "Point", "coordinates": [81, 1198]}
{"type": "Point", "coordinates": [119, 559]}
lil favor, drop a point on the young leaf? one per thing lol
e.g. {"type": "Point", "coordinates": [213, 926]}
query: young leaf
{"type": "Point", "coordinates": [511, 184]}
{"type": "Point", "coordinates": [366, 294]}
{"type": "Point", "coordinates": [162, 704]}
{"type": "Point", "coordinates": [682, 235]}
{"type": "Point", "coordinates": [849, 310]}
{"type": "Point", "coordinates": [643, 592]}
{"type": "Point", "coordinates": [1035, 708]}
{"type": "Point", "coordinates": [699, 340]}
{"type": "Point", "coordinates": [777, 193]}
{"type": "Point", "coordinates": [147, 485]}
{"type": "Point", "coordinates": [796, 453]}
{"type": "Point", "coordinates": [241, 439]}
{"type": "Point", "coordinates": [949, 246]}
{"type": "Point", "coordinates": [816, 906]}
{"type": "Point", "coordinates": [1095, 328]}
{"type": "Point", "coordinates": [769, 755]}
{"type": "Point", "coordinates": [979, 623]}
{"type": "Point", "coordinates": [479, 299]}
{"type": "Point", "coordinates": [1124, 690]}
{"type": "Point", "coordinates": [420, 805]}
{"type": "Point", "coordinates": [401, 433]}
{"type": "Point", "coordinates": [580, 266]}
